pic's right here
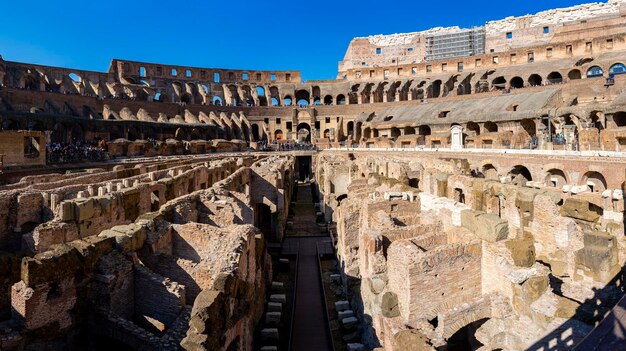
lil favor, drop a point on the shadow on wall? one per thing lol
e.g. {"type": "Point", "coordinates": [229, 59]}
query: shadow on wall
{"type": "Point", "coordinates": [591, 312]}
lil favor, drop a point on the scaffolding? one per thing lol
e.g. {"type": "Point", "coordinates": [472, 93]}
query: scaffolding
{"type": "Point", "coordinates": [466, 42]}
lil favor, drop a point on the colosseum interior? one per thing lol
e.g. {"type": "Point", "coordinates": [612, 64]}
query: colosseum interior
{"type": "Point", "coordinates": [451, 189]}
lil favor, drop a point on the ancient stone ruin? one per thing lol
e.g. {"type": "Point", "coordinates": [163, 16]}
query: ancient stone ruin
{"type": "Point", "coordinates": [453, 189]}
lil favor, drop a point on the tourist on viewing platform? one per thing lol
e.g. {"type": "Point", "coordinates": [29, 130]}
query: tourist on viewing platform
{"type": "Point", "coordinates": [76, 152]}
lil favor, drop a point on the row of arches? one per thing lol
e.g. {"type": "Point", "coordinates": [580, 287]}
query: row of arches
{"type": "Point", "coordinates": [553, 177]}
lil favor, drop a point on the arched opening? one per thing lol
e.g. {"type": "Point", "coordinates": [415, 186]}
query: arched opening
{"type": "Point", "coordinates": [490, 171]}
{"type": "Point", "coordinates": [499, 83]}
{"type": "Point", "coordinates": [59, 135]}
{"type": "Point", "coordinates": [340, 198]}
{"type": "Point", "coordinates": [491, 127]}
{"type": "Point", "coordinates": [555, 78]}
{"type": "Point", "coordinates": [186, 98]}
{"type": "Point", "coordinates": [414, 183]}
{"type": "Point", "coordinates": [260, 91]}
{"type": "Point", "coordinates": [278, 134]}
{"type": "Point", "coordinates": [357, 132]}
{"type": "Point", "coordinates": [595, 181]}
{"type": "Point", "coordinates": [555, 178]}
{"type": "Point", "coordinates": [317, 101]}
{"type": "Point", "coordinates": [30, 83]}
{"type": "Point", "coordinates": [517, 82]}
{"type": "Point", "coordinates": [351, 128]}
{"type": "Point", "coordinates": [77, 133]}
{"type": "Point", "coordinates": [133, 134]}
{"type": "Point", "coordinates": [263, 219]}
{"type": "Point", "coordinates": [287, 101]}
{"type": "Point", "coordinates": [274, 101]}
{"type": "Point", "coordinates": [326, 133]}
{"type": "Point", "coordinates": [155, 204]}
{"type": "Point", "coordinates": [328, 100]}
{"type": "Point", "coordinates": [574, 74]}
{"type": "Point", "coordinates": [535, 80]}
{"type": "Point", "coordinates": [595, 71]}
{"type": "Point", "coordinates": [473, 127]}
{"type": "Point", "coordinates": [434, 89]}
{"type": "Point", "coordinates": [395, 132]}
{"type": "Point", "coordinates": [75, 77]}
{"type": "Point", "coordinates": [217, 101]}
{"type": "Point", "coordinates": [520, 175]}
{"type": "Point", "coordinates": [424, 130]}
{"type": "Point", "coordinates": [367, 133]}
{"type": "Point", "coordinates": [459, 196]}
{"type": "Point", "coordinates": [341, 100]}
{"type": "Point", "coordinates": [620, 119]}
{"type": "Point", "coordinates": [255, 132]}
{"type": "Point", "coordinates": [529, 127]}
{"type": "Point", "coordinates": [302, 98]}
{"type": "Point", "coordinates": [598, 120]}
{"type": "Point", "coordinates": [304, 133]}
{"type": "Point", "coordinates": [618, 68]}
{"type": "Point", "coordinates": [465, 338]}
{"type": "Point", "coordinates": [181, 134]}
{"type": "Point", "coordinates": [409, 130]}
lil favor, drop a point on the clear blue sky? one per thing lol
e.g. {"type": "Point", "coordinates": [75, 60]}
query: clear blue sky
{"type": "Point", "coordinates": [310, 36]}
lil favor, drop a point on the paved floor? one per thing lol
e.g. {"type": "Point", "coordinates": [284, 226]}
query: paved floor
{"type": "Point", "coordinates": [310, 326]}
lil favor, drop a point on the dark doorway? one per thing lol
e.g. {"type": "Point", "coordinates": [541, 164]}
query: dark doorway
{"type": "Point", "coordinates": [264, 219]}
{"type": "Point", "coordinates": [304, 167]}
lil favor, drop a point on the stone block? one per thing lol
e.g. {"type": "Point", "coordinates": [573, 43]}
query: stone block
{"type": "Point", "coordinates": [341, 306]}
{"type": "Point", "coordinates": [389, 305]}
{"type": "Point", "coordinates": [486, 226]}
{"type": "Point", "coordinates": [269, 334]}
{"type": "Point", "coordinates": [278, 286]}
{"type": "Point", "coordinates": [349, 322]}
{"type": "Point", "coordinates": [281, 298]}
{"type": "Point", "coordinates": [411, 340]}
{"type": "Point", "coordinates": [274, 307]}
{"type": "Point", "coordinates": [67, 211]}
{"type": "Point", "coordinates": [345, 314]}
{"type": "Point", "coordinates": [84, 210]}
{"type": "Point", "coordinates": [578, 209]}
{"type": "Point", "coordinates": [599, 255]}
{"type": "Point", "coordinates": [355, 347]}
{"type": "Point", "coordinates": [272, 317]}
{"type": "Point", "coordinates": [522, 251]}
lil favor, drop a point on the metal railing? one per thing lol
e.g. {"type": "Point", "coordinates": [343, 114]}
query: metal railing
{"type": "Point", "coordinates": [319, 266]}
{"type": "Point", "coordinates": [295, 296]}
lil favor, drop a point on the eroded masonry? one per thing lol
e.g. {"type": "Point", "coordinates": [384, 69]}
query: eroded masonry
{"type": "Point", "coordinates": [452, 189]}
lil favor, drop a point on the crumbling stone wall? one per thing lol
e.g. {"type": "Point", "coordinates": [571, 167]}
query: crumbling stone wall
{"type": "Point", "coordinates": [146, 281]}
{"type": "Point", "coordinates": [509, 262]}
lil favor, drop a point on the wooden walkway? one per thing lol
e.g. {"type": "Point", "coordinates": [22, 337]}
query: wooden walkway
{"type": "Point", "coordinates": [310, 329]}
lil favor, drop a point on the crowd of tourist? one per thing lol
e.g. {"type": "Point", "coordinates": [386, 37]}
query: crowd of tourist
{"type": "Point", "coordinates": [76, 152]}
{"type": "Point", "coordinates": [288, 146]}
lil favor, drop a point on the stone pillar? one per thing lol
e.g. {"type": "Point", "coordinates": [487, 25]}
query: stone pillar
{"type": "Point", "coordinates": [54, 201]}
